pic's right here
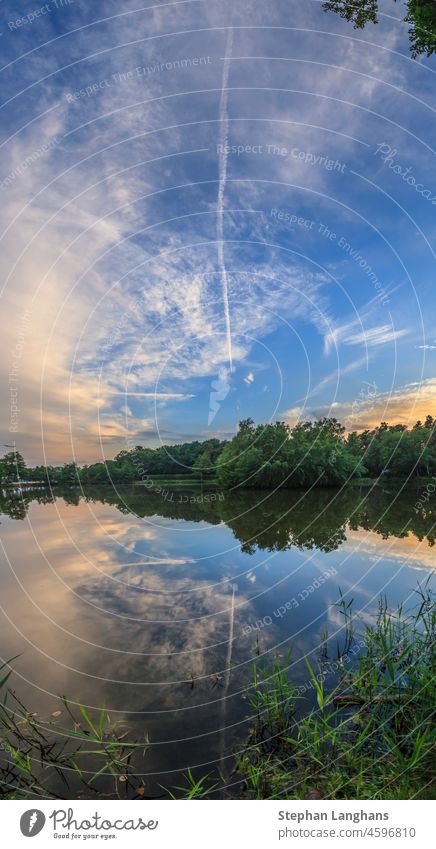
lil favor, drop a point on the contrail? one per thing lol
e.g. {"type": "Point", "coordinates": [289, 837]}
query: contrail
{"type": "Point", "coordinates": [222, 162]}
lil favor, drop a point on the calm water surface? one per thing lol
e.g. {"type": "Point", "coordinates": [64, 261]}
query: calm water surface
{"type": "Point", "coordinates": [157, 605]}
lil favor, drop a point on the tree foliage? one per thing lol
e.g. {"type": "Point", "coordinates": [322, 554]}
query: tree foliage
{"type": "Point", "coordinates": [12, 468]}
{"type": "Point", "coordinates": [270, 456]}
{"type": "Point", "coordinates": [265, 456]}
{"type": "Point", "coordinates": [397, 450]}
{"type": "Point", "coordinates": [421, 14]}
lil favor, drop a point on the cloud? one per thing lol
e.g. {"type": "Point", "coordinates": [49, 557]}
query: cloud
{"type": "Point", "coordinates": [156, 396]}
{"type": "Point", "coordinates": [135, 245]}
{"type": "Point", "coordinates": [376, 336]}
{"type": "Point", "coordinates": [292, 416]}
{"type": "Point", "coordinates": [404, 405]}
{"type": "Point", "coordinates": [371, 337]}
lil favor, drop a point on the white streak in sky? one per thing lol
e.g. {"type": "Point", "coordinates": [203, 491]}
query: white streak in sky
{"type": "Point", "coordinates": [222, 162]}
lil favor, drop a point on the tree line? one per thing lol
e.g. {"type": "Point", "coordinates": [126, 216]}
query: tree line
{"type": "Point", "coordinates": [276, 521]}
{"type": "Point", "coordinates": [262, 456]}
{"type": "Point", "coordinates": [269, 456]}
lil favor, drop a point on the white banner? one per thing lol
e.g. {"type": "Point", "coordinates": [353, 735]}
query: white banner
{"type": "Point", "coordinates": [217, 824]}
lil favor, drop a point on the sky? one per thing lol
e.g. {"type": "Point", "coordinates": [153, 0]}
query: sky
{"type": "Point", "coordinates": [209, 210]}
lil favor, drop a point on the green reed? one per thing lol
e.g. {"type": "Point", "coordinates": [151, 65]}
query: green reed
{"type": "Point", "coordinates": [371, 736]}
{"type": "Point", "coordinates": [45, 758]}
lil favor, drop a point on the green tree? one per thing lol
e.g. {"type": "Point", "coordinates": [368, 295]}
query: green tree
{"type": "Point", "coordinates": [421, 14]}
{"type": "Point", "coordinates": [69, 475]}
{"type": "Point", "coordinates": [271, 456]}
{"type": "Point", "coordinates": [13, 468]}
{"type": "Point", "coordinates": [395, 449]}
{"type": "Point", "coordinates": [203, 464]}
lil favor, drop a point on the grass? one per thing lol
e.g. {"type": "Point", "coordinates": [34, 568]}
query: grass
{"type": "Point", "coordinates": [45, 758]}
{"type": "Point", "coordinates": [371, 736]}
{"type": "Point", "coordinates": [193, 788]}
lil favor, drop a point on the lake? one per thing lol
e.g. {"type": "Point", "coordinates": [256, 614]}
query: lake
{"type": "Point", "coordinates": [157, 604]}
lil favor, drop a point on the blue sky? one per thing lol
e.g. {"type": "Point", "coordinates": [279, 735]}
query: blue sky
{"type": "Point", "coordinates": [211, 210]}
